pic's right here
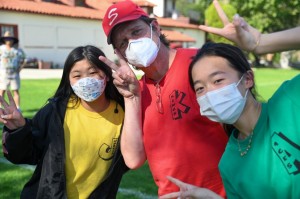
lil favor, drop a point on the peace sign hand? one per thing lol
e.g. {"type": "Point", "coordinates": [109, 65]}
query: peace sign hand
{"type": "Point", "coordinates": [124, 78]}
{"type": "Point", "coordinates": [239, 31]}
{"type": "Point", "coordinates": [10, 116]}
{"type": "Point", "coordinates": [188, 191]}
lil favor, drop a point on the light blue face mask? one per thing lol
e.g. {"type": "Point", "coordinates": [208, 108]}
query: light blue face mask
{"type": "Point", "coordinates": [223, 105]}
{"type": "Point", "coordinates": [89, 88]}
{"type": "Point", "coordinates": [142, 52]}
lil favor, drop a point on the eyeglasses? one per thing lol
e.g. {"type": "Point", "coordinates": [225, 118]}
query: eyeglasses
{"type": "Point", "coordinates": [159, 105]}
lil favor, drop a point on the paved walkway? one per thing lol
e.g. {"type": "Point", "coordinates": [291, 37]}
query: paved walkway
{"type": "Point", "coordinates": [28, 73]}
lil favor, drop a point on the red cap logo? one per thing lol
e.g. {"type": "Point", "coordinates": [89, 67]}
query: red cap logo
{"type": "Point", "coordinates": [118, 13]}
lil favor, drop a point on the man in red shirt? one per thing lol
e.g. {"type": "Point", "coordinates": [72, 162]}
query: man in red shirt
{"type": "Point", "coordinates": [162, 119]}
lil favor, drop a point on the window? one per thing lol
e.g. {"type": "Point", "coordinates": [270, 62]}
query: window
{"type": "Point", "coordinates": [13, 29]}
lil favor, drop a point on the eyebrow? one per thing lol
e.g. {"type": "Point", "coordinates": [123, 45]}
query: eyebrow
{"type": "Point", "coordinates": [210, 76]}
{"type": "Point", "coordinates": [130, 28]}
{"type": "Point", "coordinates": [216, 73]}
{"type": "Point", "coordinates": [78, 71]}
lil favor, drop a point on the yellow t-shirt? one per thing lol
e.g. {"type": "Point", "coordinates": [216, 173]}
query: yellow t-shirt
{"type": "Point", "coordinates": [90, 142]}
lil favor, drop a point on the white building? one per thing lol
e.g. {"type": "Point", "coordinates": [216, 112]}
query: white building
{"type": "Point", "coordinates": [48, 30]}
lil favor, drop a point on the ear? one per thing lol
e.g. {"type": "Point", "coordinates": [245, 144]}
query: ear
{"type": "Point", "coordinates": [249, 79]}
{"type": "Point", "coordinates": [157, 27]}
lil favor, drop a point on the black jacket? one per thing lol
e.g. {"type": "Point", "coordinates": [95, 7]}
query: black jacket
{"type": "Point", "coordinates": [41, 142]}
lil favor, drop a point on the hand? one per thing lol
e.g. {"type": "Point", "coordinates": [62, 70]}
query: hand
{"type": "Point", "coordinates": [124, 78]}
{"type": "Point", "coordinates": [10, 116]}
{"type": "Point", "coordinates": [188, 191]}
{"type": "Point", "coordinates": [239, 31]}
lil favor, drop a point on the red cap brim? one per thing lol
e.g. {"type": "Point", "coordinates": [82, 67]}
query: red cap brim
{"type": "Point", "coordinates": [125, 19]}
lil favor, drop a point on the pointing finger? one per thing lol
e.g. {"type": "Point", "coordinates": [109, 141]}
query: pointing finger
{"type": "Point", "coordinates": [122, 60]}
{"type": "Point", "coordinates": [170, 195]}
{"type": "Point", "coordinates": [108, 62]}
{"type": "Point", "coordinates": [3, 102]}
{"type": "Point", "coordinates": [221, 12]}
{"type": "Point", "coordinates": [176, 181]}
{"type": "Point", "coordinates": [212, 30]}
{"type": "Point", "coordinates": [11, 99]}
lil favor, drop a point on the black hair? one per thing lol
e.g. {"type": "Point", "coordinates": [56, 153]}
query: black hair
{"type": "Point", "coordinates": [91, 54]}
{"type": "Point", "coordinates": [236, 59]}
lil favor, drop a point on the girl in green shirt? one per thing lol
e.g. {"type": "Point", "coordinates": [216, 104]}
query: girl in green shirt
{"type": "Point", "coordinates": [262, 157]}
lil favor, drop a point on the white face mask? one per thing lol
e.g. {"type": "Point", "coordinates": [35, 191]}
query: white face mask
{"type": "Point", "coordinates": [223, 105]}
{"type": "Point", "coordinates": [142, 52]}
{"type": "Point", "coordinates": [89, 88]}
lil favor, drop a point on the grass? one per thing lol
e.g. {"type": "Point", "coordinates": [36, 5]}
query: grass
{"type": "Point", "coordinates": [268, 80]}
{"type": "Point", "coordinates": [13, 179]}
{"type": "Point", "coordinates": [34, 94]}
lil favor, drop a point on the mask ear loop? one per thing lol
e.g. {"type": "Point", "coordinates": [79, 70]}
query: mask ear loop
{"type": "Point", "coordinates": [151, 30]}
{"type": "Point", "coordinates": [240, 80]}
{"type": "Point", "coordinates": [239, 83]}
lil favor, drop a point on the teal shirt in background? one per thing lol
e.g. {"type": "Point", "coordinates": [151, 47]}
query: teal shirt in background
{"type": "Point", "coordinates": [271, 168]}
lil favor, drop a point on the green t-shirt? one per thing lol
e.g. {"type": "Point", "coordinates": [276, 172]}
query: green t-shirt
{"type": "Point", "coordinates": [271, 168]}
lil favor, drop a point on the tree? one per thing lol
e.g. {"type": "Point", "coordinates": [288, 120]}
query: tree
{"type": "Point", "coordinates": [212, 19]}
{"type": "Point", "coordinates": [186, 8]}
{"type": "Point", "coordinates": [266, 16]}
{"type": "Point", "coordinates": [271, 15]}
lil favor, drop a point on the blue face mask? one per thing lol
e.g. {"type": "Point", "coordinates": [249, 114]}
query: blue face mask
{"type": "Point", "coordinates": [223, 105]}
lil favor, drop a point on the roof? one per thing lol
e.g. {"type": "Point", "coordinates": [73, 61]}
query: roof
{"type": "Point", "coordinates": [96, 10]}
{"type": "Point", "coordinates": [175, 36]}
{"type": "Point", "coordinates": [142, 3]}
{"type": "Point", "coordinates": [169, 22]}
{"type": "Point", "coordinates": [48, 8]}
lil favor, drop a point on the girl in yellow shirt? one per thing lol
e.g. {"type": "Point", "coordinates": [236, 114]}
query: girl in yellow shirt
{"type": "Point", "coordinates": [74, 139]}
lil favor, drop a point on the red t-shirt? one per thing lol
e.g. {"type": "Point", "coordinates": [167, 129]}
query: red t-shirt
{"type": "Point", "coordinates": [180, 142]}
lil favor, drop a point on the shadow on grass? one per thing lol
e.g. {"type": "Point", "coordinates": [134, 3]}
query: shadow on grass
{"type": "Point", "coordinates": [13, 178]}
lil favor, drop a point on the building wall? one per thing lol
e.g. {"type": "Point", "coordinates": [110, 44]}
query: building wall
{"type": "Point", "coordinates": [198, 35]}
{"type": "Point", "coordinates": [159, 8]}
{"type": "Point", "coordinates": [51, 38]}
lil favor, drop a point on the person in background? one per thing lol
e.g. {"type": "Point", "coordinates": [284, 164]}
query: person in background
{"type": "Point", "coordinates": [250, 39]}
{"type": "Point", "coordinates": [264, 144]}
{"type": "Point", "coordinates": [162, 120]}
{"type": "Point", "coordinates": [11, 62]}
{"type": "Point", "coordinates": [74, 139]}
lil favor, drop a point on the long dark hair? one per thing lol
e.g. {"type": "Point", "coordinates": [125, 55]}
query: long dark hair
{"type": "Point", "coordinates": [236, 59]}
{"type": "Point", "coordinates": [91, 54]}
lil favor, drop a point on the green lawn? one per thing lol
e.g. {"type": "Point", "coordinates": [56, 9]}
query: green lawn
{"type": "Point", "coordinates": [268, 80]}
{"type": "Point", "coordinates": [137, 184]}
{"type": "Point", "coordinates": [12, 181]}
